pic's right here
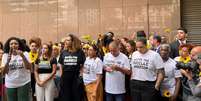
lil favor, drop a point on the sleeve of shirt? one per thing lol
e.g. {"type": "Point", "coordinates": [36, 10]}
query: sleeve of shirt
{"type": "Point", "coordinates": [26, 54]}
{"type": "Point", "coordinates": [195, 89]}
{"type": "Point", "coordinates": [104, 60]}
{"type": "Point", "coordinates": [53, 61]}
{"type": "Point", "coordinates": [4, 59]}
{"type": "Point", "coordinates": [177, 73]}
{"type": "Point", "coordinates": [126, 63]}
{"type": "Point", "coordinates": [82, 56]}
{"type": "Point", "coordinates": [99, 69]}
{"type": "Point", "coordinates": [158, 62]}
{"type": "Point", "coordinates": [61, 59]}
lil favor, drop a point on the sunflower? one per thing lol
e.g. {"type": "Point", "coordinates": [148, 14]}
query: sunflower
{"type": "Point", "coordinates": [185, 60]}
{"type": "Point", "coordinates": [166, 93]}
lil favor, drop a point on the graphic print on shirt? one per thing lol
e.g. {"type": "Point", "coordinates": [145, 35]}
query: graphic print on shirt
{"type": "Point", "coordinates": [140, 63]}
{"type": "Point", "coordinates": [16, 64]}
{"type": "Point", "coordinates": [109, 63]}
{"type": "Point", "coordinates": [70, 60]}
{"type": "Point", "coordinates": [44, 64]}
{"type": "Point", "coordinates": [89, 68]}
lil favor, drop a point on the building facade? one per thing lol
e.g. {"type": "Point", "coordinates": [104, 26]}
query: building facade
{"type": "Point", "coordinates": [53, 19]}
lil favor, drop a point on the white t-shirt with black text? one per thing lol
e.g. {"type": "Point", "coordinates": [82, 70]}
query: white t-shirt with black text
{"type": "Point", "coordinates": [92, 67]}
{"type": "Point", "coordinates": [144, 66]}
{"type": "Point", "coordinates": [115, 80]}
{"type": "Point", "coordinates": [17, 75]}
{"type": "Point", "coordinates": [171, 72]}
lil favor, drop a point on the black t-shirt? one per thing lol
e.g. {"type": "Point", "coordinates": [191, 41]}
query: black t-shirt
{"type": "Point", "coordinates": [72, 61]}
{"type": "Point", "coordinates": [45, 65]}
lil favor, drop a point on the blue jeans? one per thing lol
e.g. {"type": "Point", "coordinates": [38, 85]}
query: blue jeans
{"type": "Point", "coordinates": [115, 97]}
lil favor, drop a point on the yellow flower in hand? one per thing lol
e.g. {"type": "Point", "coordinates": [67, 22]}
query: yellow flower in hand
{"type": "Point", "coordinates": [166, 93]}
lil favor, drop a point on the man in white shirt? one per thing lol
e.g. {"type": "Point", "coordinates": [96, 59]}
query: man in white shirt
{"type": "Point", "coordinates": [171, 83]}
{"type": "Point", "coordinates": [116, 65]}
{"type": "Point", "coordinates": [147, 73]}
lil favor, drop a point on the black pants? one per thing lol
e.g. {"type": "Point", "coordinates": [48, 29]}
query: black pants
{"type": "Point", "coordinates": [33, 83]}
{"type": "Point", "coordinates": [71, 87]}
{"type": "Point", "coordinates": [143, 91]}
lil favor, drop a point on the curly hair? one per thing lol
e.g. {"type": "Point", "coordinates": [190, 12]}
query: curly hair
{"type": "Point", "coordinates": [36, 40]}
{"type": "Point", "coordinates": [7, 44]}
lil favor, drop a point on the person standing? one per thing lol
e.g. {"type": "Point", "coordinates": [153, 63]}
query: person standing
{"type": "Point", "coordinates": [92, 75]}
{"type": "Point", "coordinates": [16, 67]}
{"type": "Point", "coordinates": [171, 83]}
{"type": "Point", "coordinates": [45, 69]}
{"type": "Point", "coordinates": [33, 55]}
{"type": "Point", "coordinates": [156, 43]}
{"type": "Point", "coordinates": [147, 73]}
{"type": "Point", "coordinates": [71, 60]}
{"type": "Point", "coordinates": [180, 40]}
{"type": "Point", "coordinates": [116, 65]}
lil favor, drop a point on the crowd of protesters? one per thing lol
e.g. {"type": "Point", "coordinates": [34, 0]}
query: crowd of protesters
{"type": "Point", "coordinates": [144, 68]}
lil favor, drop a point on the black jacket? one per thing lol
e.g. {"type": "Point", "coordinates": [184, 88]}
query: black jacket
{"type": "Point", "coordinates": [174, 49]}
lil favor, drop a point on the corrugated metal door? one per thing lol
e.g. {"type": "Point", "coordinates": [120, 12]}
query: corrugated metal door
{"type": "Point", "coordinates": [191, 19]}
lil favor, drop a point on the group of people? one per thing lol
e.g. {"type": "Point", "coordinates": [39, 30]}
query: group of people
{"type": "Point", "coordinates": [110, 69]}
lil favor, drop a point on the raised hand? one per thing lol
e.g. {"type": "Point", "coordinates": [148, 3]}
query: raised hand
{"type": "Point", "coordinates": [19, 52]}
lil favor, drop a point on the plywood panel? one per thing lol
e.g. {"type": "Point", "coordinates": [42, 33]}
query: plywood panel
{"type": "Point", "coordinates": [136, 18]}
{"type": "Point", "coordinates": [29, 19]}
{"type": "Point", "coordinates": [111, 20]}
{"type": "Point", "coordinates": [52, 19]}
{"type": "Point", "coordinates": [67, 17]}
{"type": "Point", "coordinates": [11, 20]}
{"type": "Point", "coordinates": [134, 2]}
{"type": "Point", "coordinates": [1, 23]}
{"type": "Point", "coordinates": [89, 17]}
{"type": "Point", "coordinates": [47, 20]}
{"type": "Point", "coordinates": [162, 17]}
{"type": "Point", "coordinates": [111, 3]}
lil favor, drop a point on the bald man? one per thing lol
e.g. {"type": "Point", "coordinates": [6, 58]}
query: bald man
{"type": "Point", "coordinates": [116, 65]}
{"type": "Point", "coordinates": [192, 84]}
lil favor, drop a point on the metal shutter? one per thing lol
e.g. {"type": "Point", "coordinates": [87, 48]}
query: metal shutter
{"type": "Point", "coordinates": [191, 19]}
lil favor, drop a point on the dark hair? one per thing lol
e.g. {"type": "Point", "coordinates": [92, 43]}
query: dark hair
{"type": "Point", "coordinates": [106, 40]}
{"type": "Point", "coordinates": [158, 38]}
{"type": "Point", "coordinates": [143, 40]}
{"type": "Point", "coordinates": [183, 29]}
{"type": "Point", "coordinates": [112, 34]}
{"type": "Point", "coordinates": [98, 52]}
{"type": "Point", "coordinates": [26, 46]}
{"type": "Point", "coordinates": [7, 44]}
{"type": "Point", "coordinates": [1, 45]}
{"type": "Point", "coordinates": [132, 43]}
{"type": "Point", "coordinates": [141, 33]}
{"type": "Point", "coordinates": [24, 41]}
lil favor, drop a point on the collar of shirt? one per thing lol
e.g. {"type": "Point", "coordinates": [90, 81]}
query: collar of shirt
{"type": "Point", "coordinates": [182, 42]}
